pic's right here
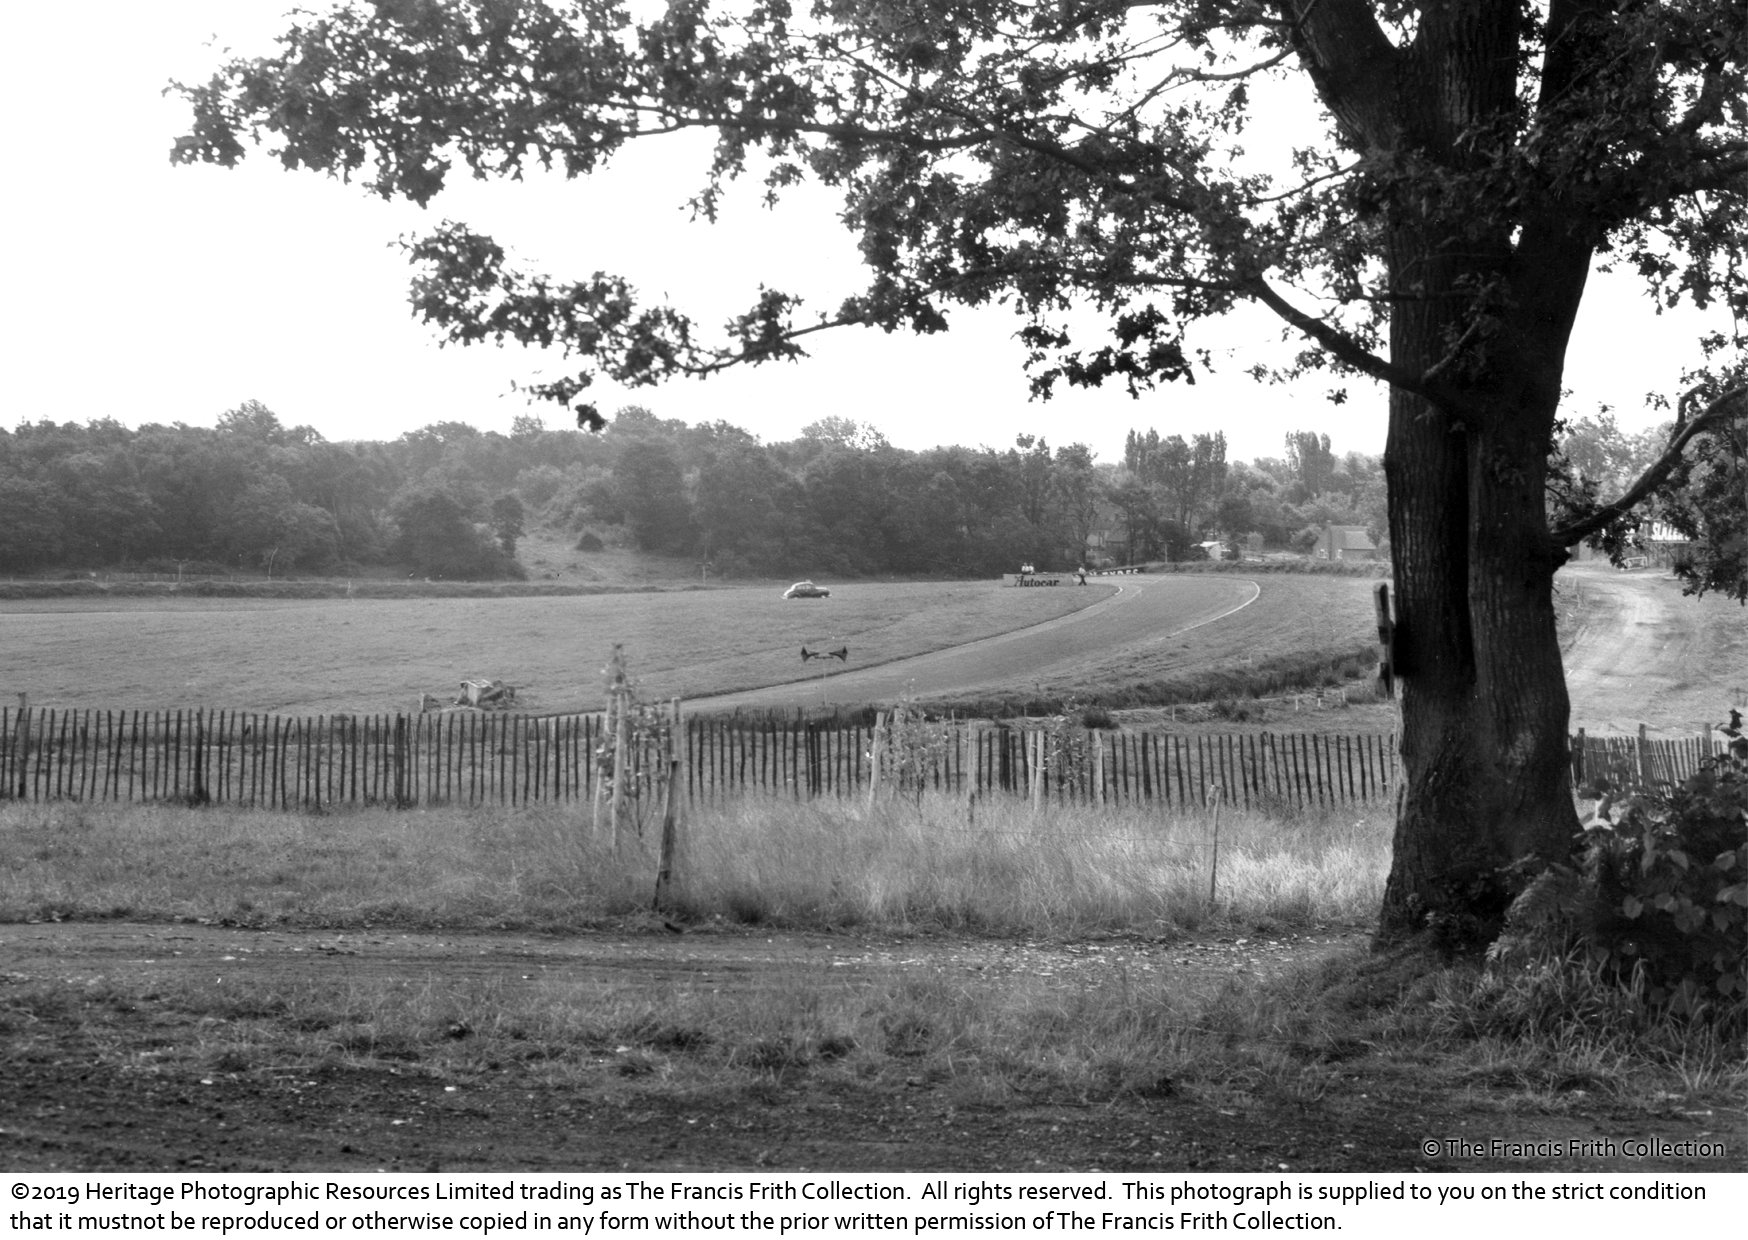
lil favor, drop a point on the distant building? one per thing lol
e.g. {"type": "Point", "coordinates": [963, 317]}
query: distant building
{"type": "Point", "coordinates": [1346, 542]}
{"type": "Point", "coordinates": [1665, 545]}
{"type": "Point", "coordinates": [1108, 543]}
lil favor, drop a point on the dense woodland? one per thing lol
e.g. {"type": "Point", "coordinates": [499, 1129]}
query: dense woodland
{"type": "Point", "coordinates": [253, 495]}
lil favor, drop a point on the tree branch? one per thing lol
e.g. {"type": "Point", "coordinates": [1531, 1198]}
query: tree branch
{"type": "Point", "coordinates": [1351, 352]}
{"type": "Point", "coordinates": [1717, 411]}
{"type": "Point", "coordinates": [1352, 63]}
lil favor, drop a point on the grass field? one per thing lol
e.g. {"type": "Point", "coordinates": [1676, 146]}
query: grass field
{"type": "Point", "coordinates": [371, 655]}
{"type": "Point", "coordinates": [361, 655]}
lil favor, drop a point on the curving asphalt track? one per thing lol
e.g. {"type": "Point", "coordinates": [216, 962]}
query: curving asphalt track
{"type": "Point", "coordinates": [1143, 612]}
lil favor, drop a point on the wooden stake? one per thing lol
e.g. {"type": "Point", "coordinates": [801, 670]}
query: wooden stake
{"type": "Point", "coordinates": [670, 840]}
{"type": "Point", "coordinates": [879, 751]}
{"type": "Point", "coordinates": [1037, 772]}
{"type": "Point", "coordinates": [621, 767]}
{"type": "Point", "coordinates": [1214, 865]}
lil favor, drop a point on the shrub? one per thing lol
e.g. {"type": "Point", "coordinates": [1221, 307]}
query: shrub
{"type": "Point", "coordinates": [589, 542]}
{"type": "Point", "coordinates": [1096, 716]}
{"type": "Point", "coordinates": [1657, 894]}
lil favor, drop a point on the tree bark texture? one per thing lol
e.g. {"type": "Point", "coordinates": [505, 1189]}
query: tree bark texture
{"type": "Point", "coordinates": [1484, 705]}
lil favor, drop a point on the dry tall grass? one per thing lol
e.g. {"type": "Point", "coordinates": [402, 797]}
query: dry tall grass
{"type": "Point", "coordinates": [944, 863]}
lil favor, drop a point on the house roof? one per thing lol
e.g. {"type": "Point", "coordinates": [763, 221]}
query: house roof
{"type": "Point", "coordinates": [1351, 538]}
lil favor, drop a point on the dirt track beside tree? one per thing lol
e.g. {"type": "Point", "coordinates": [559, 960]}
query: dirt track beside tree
{"type": "Point", "coordinates": [1642, 652]}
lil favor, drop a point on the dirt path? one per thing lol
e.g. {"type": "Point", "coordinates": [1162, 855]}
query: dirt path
{"type": "Point", "coordinates": [1644, 653]}
{"type": "Point", "coordinates": [91, 952]}
{"type": "Point", "coordinates": [1144, 612]}
{"type": "Point", "coordinates": [105, 1076]}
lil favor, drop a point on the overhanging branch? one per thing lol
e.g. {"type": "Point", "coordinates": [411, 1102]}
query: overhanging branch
{"type": "Point", "coordinates": [1719, 410]}
{"type": "Point", "coordinates": [1349, 351]}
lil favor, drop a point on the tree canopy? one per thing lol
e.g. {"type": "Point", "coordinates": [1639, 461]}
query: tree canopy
{"type": "Point", "coordinates": [1477, 158]}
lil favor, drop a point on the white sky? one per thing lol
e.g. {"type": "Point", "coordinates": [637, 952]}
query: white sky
{"type": "Point", "coordinates": [149, 293]}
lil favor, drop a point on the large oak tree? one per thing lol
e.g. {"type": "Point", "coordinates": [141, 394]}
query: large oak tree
{"type": "Point", "coordinates": [1479, 158]}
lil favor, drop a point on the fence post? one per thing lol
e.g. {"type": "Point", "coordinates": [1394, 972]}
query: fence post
{"type": "Point", "coordinates": [1035, 770]}
{"type": "Point", "coordinates": [21, 746]}
{"type": "Point", "coordinates": [621, 768]}
{"type": "Point", "coordinates": [1214, 866]}
{"type": "Point", "coordinates": [670, 833]}
{"type": "Point", "coordinates": [1644, 755]}
{"type": "Point", "coordinates": [199, 794]}
{"type": "Point", "coordinates": [1098, 744]}
{"type": "Point", "coordinates": [678, 750]}
{"type": "Point", "coordinates": [600, 793]}
{"type": "Point", "coordinates": [400, 761]}
{"type": "Point", "coordinates": [879, 750]}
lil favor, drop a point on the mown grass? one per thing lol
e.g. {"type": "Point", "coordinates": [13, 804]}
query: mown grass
{"type": "Point", "coordinates": [945, 864]}
{"type": "Point", "coordinates": [368, 654]}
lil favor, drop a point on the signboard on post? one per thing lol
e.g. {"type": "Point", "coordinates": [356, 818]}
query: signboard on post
{"type": "Point", "coordinates": [841, 654]}
{"type": "Point", "coordinates": [1387, 640]}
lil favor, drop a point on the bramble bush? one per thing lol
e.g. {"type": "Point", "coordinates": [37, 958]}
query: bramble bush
{"type": "Point", "coordinates": [1657, 895]}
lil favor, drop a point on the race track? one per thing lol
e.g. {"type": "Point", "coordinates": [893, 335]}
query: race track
{"type": "Point", "coordinates": [1144, 612]}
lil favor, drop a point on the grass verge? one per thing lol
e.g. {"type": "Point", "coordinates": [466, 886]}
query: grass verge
{"type": "Point", "coordinates": [1284, 673]}
{"type": "Point", "coordinates": [943, 864]}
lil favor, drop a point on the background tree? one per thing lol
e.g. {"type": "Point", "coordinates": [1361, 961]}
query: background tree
{"type": "Point", "coordinates": [30, 524]}
{"type": "Point", "coordinates": [438, 535]}
{"type": "Point", "coordinates": [739, 498]}
{"type": "Point", "coordinates": [507, 516]}
{"type": "Point", "coordinates": [1312, 463]}
{"type": "Point", "coordinates": [1078, 491]}
{"type": "Point", "coordinates": [651, 490]}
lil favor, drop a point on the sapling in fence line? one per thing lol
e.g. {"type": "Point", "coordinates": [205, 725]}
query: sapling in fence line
{"type": "Point", "coordinates": [909, 750]}
{"type": "Point", "coordinates": [636, 758]}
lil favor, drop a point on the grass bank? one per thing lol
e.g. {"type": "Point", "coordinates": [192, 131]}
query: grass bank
{"type": "Point", "coordinates": [1268, 676]}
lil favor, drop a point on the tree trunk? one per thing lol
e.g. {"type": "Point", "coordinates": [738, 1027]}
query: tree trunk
{"type": "Point", "coordinates": [1484, 706]}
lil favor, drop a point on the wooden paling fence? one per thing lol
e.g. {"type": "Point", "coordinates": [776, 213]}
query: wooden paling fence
{"type": "Point", "coordinates": [489, 758]}
{"type": "Point", "coordinates": [1638, 761]}
{"type": "Point", "coordinates": [468, 758]}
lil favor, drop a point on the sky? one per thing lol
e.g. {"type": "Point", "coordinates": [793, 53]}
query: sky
{"type": "Point", "coordinates": [148, 293]}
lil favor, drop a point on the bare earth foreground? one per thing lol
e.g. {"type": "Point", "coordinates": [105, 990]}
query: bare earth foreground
{"type": "Point", "coordinates": [68, 1105]}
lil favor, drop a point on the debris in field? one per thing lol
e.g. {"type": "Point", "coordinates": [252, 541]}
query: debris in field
{"type": "Point", "coordinates": [474, 695]}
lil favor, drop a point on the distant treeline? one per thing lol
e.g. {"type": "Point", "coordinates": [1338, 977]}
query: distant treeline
{"type": "Point", "coordinates": [252, 495]}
